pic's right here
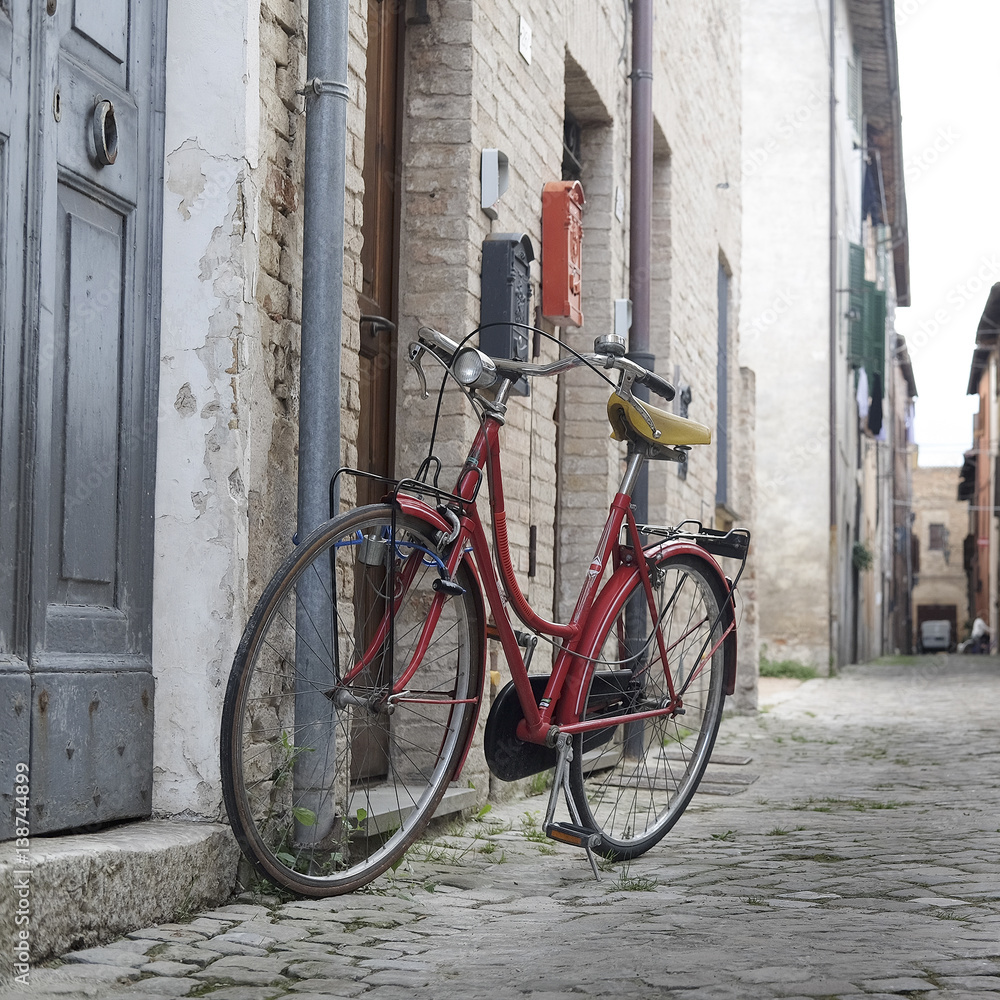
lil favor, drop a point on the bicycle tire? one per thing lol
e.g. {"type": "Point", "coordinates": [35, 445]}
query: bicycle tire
{"type": "Point", "coordinates": [632, 782]}
{"type": "Point", "coordinates": [325, 782]}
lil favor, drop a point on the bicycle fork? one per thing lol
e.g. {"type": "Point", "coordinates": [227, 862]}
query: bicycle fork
{"type": "Point", "coordinates": [574, 833]}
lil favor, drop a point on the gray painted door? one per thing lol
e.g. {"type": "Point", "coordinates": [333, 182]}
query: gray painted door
{"type": "Point", "coordinates": [89, 410]}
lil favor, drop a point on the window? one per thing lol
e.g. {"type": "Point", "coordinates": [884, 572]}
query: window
{"type": "Point", "coordinates": [939, 537]}
{"type": "Point", "coordinates": [572, 165]}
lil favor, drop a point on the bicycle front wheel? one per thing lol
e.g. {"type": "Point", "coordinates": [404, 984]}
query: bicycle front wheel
{"type": "Point", "coordinates": [631, 782]}
{"type": "Point", "coordinates": [331, 767]}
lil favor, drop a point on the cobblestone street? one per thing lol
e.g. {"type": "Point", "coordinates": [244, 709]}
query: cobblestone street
{"type": "Point", "coordinates": [859, 856]}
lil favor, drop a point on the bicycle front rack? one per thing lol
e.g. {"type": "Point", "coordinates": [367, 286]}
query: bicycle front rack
{"type": "Point", "coordinates": [395, 487]}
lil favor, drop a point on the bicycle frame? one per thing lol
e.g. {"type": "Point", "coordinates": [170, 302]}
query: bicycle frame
{"type": "Point", "coordinates": [566, 690]}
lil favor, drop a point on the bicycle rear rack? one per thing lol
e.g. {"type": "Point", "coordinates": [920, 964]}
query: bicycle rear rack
{"type": "Point", "coordinates": [732, 544]}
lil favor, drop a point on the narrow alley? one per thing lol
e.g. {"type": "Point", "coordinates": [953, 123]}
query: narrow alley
{"type": "Point", "coordinates": [855, 854]}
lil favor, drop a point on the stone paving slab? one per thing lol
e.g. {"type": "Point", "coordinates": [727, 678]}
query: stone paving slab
{"type": "Point", "coordinates": [864, 862]}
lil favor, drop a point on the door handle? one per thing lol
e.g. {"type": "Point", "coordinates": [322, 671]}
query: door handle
{"type": "Point", "coordinates": [377, 324]}
{"type": "Point", "coordinates": [105, 127]}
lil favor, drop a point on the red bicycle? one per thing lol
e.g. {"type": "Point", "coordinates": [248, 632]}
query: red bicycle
{"type": "Point", "coordinates": [356, 688]}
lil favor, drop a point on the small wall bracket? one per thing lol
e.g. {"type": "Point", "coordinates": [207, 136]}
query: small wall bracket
{"type": "Point", "coordinates": [494, 174]}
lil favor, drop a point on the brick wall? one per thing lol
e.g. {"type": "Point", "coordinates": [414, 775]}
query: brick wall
{"type": "Point", "coordinates": [278, 288]}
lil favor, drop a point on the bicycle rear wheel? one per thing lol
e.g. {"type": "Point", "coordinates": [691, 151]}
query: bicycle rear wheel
{"type": "Point", "coordinates": [329, 770]}
{"type": "Point", "coordinates": [631, 782]}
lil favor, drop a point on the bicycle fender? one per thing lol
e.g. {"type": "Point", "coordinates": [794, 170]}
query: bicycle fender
{"type": "Point", "coordinates": [420, 508]}
{"type": "Point", "coordinates": [729, 649]}
{"type": "Point", "coordinates": [416, 507]}
{"type": "Point", "coordinates": [612, 597]}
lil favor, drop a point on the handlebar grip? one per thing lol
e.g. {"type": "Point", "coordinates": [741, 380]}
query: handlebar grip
{"type": "Point", "coordinates": [658, 384]}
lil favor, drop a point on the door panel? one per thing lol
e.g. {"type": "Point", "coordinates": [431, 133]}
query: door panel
{"type": "Point", "coordinates": [89, 739]}
{"type": "Point", "coordinates": [90, 344]}
{"type": "Point", "coordinates": [105, 23]}
{"type": "Point", "coordinates": [379, 250]}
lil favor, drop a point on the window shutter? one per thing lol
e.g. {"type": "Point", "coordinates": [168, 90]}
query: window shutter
{"type": "Point", "coordinates": [873, 323]}
{"type": "Point", "coordinates": [854, 109]}
{"type": "Point", "coordinates": [856, 307]}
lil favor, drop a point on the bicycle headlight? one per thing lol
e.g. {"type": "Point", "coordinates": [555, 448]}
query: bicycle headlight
{"type": "Point", "coordinates": [473, 368]}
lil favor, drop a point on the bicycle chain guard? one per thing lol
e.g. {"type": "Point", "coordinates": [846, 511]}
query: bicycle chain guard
{"type": "Point", "coordinates": [508, 757]}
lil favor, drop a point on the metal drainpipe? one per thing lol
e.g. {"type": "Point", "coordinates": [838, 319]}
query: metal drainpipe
{"type": "Point", "coordinates": [326, 94]}
{"type": "Point", "coordinates": [640, 227]}
{"type": "Point", "coordinates": [641, 199]}
{"type": "Point", "coordinates": [834, 573]}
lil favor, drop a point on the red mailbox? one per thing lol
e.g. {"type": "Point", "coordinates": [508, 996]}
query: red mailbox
{"type": "Point", "coordinates": [562, 241]}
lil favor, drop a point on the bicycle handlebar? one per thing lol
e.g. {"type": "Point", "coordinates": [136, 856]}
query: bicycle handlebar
{"type": "Point", "coordinates": [493, 368]}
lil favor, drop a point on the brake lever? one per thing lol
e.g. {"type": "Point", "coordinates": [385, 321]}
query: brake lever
{"type": "Point", "coordinates": [416, 353]}
{"type": "Point", "coordinates": [625, 390]}
{"type": "Point", "coordinates": [417, 350]}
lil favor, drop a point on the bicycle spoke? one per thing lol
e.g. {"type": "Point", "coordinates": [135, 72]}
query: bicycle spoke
{"type": "Point", "coordinates": [633, 792]}
{"type": "Point", "coordinates": [325, 785]}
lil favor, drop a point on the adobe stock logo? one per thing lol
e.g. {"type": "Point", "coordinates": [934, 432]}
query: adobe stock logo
{"type": "Point", "coordinates": [905, 9]}
{"type": "Point", "coordinates": [920, 163]}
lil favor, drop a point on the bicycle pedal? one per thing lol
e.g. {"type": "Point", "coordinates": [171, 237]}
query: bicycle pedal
{"type": "Point", "coordinates": [452, 587]}
{"type": "Point", "coordinates": [570, 833]}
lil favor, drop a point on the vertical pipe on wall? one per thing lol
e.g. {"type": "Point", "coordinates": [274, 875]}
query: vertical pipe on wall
{"type": "Point", "coordinates": [641, 210]}
{"type": "Point", "coordinates": [834, 562]}
{"type": "Point", "coordinates": [326, 94]}
{"type": "Point", "coordinates": [640, 238]}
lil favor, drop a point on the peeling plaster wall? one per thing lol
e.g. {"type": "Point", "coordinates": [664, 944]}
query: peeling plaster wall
{"type": "Point", "coordinates": [209, 342]}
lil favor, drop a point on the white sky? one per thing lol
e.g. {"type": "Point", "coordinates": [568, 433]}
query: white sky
{"type": "Point", "coordinates": [949, 71]}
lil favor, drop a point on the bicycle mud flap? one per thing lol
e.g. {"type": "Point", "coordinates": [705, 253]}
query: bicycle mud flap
{"type": "Point", "coordinates": [508, 757]}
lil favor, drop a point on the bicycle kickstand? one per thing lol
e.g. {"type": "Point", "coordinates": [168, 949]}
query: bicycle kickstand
{"type": "Point", "coordinates": [574, 833]}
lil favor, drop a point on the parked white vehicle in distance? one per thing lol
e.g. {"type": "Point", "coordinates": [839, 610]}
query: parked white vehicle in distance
{"type": "Point", "coordinates": [935, 635]}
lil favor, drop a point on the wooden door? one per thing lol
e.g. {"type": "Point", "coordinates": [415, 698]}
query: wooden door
{"type": "Point", "coordinates": [379, 253]}
{"type": "Point", "coordinates": [378, 297]}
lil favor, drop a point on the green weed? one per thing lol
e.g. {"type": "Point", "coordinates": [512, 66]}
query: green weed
{"type": "Point", "coordinates": [626, 882]}
{"type": "Point", "coordinates": [540, 783]}
{"type": "Point", "coordinates": [787, 668]}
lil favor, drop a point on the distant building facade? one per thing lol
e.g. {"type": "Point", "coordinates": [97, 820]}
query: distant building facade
{"type": "Point", "coordinates": [979, 475]}
{"type": "Point", "coordinates": [825, 264]}
{"type": "Point", "coordinates": [940, 524]}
